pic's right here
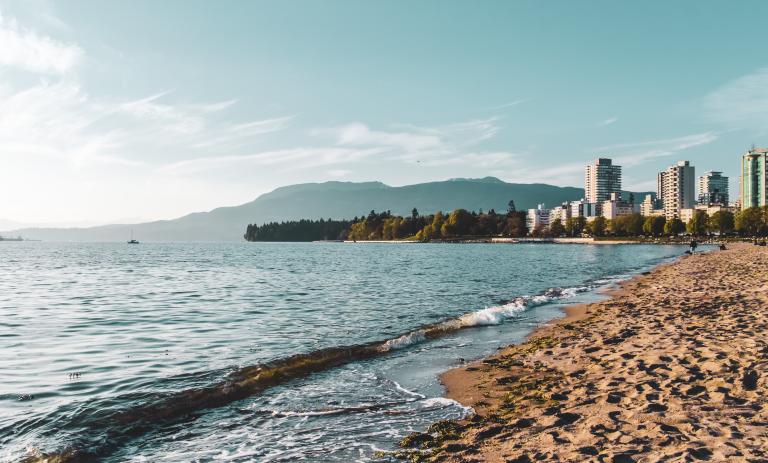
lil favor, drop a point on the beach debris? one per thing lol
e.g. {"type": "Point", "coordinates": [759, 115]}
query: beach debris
{"type": "Point", "coordinates": [749, 380]}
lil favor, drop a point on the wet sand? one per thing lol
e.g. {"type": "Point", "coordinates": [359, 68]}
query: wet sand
{"type": "Point", "coordinates": [673, 367]}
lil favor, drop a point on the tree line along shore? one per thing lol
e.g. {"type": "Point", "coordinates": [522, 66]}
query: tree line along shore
{"type": "Point", "coordinates": [384, 226]}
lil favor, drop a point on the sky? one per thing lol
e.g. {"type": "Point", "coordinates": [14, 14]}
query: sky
{"type": "Point", "coordinates": [141, 110]}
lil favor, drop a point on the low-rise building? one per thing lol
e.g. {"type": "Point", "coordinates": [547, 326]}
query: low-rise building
{"type": "Point", "coordinates": [537, 217]}
{"type": "Point", "coordinates": [615, 207]}
{"type": "Point", "coordinates": [562, 212]}
{"type": "Point", "coordinates": [583, 208]}
{"type": "Point", "coordinates": [687, 214]}
{"type": "Point", "coordinates": [710, 209]}
{"type": "Point", "coordinates": [650, 207]}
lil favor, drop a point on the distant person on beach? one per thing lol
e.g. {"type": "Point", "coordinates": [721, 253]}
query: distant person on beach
{"type": "Point", "coordinates": [694, 245]}
{"type": "Point", "coordinates": [722, 246]}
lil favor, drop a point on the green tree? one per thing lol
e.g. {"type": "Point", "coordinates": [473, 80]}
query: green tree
{"type": "Point", "coordinates": [458, 223]}
{"type": "Point", "coordinates": [721, 222]}
{"type": "Point", "coordinates": [698, 224]}
{"type": "Point", "coordinates": [487, 224]}
{"type": "Point", "coordinates": [357, 231]}
{"type": "Point", "coordinates": [654, 226]}
{"type": "Point", "coordinates": [648, 226]}
{"type": "Point", "coordinates": [674, 227]}
{"type": "Point", "coordinates": [750, 221]}
{"type": "Point", "coordinates": [540, 231]}
{"type": "Point", "coordinates": [634, 224]}
{"type": "Point", "coordinates": [626, 225]}
{"type": "Point", "coordinates": [575, 225]}
{"type": "Point", "coordinates": [615, 226]}
{"type": "Point", "coordinates": [556, 227]}
{"type": "Point", "coordinates": [511, 209]}
{"type": "Point", "coordinates": [515, 225]}
{"type": "Point", "coordinates": [597, 227]}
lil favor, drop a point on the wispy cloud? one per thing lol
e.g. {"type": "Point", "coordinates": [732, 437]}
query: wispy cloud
{"type": "Point", "coordinates": [571, 173]}
{"type": "Point", "coordinates": [484, 160]}
{"type": "Point", "coordinates": [359, 134]}
{"type": "Point", "coordinates": [632, 154]}
{"type": "Point", "coordinates": [742, 102]}
{"type": "Point", "coordinates": [25, 49]}
{"type": "Point", "coordinates": [447, 145]}
{"type": "Point", "coordinates": [507, 105]}
{"type": "Point", "coordinates": [53, 116]}
{"type": "Point", "coordinates": [609, 121]}
{"type": "Point", "coordinates": [236, 135]}
{"type": "Point", "coordinates": [61, 120]}
{"type": "Point", "coordinates": [54, 121]}
{"type": "Point", "coordinates": [286, 159]}
{"type": "Point", "coordinates": [339, 172]}
{"type": "Point", "coordinates": [407, 142]}
{"type": "Point", "coordinates": [470, 132]}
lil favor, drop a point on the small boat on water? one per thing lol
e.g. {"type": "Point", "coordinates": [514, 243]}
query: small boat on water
{"type": "Point", "coordinates": [132, 241]}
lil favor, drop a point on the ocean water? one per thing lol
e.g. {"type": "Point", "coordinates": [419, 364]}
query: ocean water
{"type": "Point", "coordinates": [116, 353]}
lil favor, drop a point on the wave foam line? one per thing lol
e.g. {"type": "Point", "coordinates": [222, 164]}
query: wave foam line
{"type": "Point", "coordinates": [121, 426]}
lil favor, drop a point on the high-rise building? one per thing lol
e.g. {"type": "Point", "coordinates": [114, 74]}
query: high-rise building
{"type": "Point", "coordinates": [754, 189]}
{"type": "Point", "coordinates": [713, 189]}
{"type": "Point", "coordinates": [601, 178]}
{"type": "Point", "coordinates": [677, 188]}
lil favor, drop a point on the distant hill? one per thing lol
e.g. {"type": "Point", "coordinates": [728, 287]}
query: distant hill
{"type": "Point", "coordinates": [338, 200]}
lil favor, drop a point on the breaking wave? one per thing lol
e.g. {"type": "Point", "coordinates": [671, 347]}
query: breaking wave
{"type": "Point", "coordinates": [104, 433]}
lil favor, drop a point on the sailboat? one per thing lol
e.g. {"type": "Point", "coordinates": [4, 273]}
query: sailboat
{"type": "Point", "coordinates": [132, 241]}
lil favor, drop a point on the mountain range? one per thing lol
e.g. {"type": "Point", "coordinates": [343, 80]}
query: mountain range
{"type": "Point", "coordinates": [337, 200]}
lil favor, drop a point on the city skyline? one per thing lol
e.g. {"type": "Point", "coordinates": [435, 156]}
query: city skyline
{"type": "Point", "coordinates": [680, 194]}
{"type": "Point", "coordinates": [106, 113]}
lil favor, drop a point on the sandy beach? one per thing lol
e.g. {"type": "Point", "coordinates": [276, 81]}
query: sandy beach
{"type": "Point", "coordinates": [671, 368]}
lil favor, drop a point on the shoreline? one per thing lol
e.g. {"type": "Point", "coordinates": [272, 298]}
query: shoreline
{"type": "Point", "coordinates": [508, 241]}
{"type": "Point", "coordinates": [457, 382]}
{"type": "Point", "coordinates": [664, 369]}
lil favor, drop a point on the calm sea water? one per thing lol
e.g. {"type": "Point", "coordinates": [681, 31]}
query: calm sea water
{"type": "Point", "coordinates": [89, 332]}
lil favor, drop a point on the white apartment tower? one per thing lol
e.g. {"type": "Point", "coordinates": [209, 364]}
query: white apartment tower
{"type": "Point", "coordinates": [677, 188]}
{"type": "Point", "coordinates": [601, 178]}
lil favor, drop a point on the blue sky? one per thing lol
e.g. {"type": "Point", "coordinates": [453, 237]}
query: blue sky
{"type": "Point", "coordinates": [145, 109]}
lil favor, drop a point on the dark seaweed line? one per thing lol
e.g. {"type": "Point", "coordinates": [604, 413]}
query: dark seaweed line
{"type": "Point", "coordinates": [241, 384]}
{"type": "Point", "coordinates": [122, 426]}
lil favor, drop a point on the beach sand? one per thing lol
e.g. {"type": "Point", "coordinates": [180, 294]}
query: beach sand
{"type": "Point", "coordinates": [673, 367]}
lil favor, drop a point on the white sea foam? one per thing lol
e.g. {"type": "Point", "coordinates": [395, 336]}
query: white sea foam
{"type": "Point", "coordinates": [497, 314]}
{"type": "Point", "coordinates": [329, 411]}
{"type": "Point", "coordinates": [406, 391]}
{"type": "Point", "coordinates": [405, 340]}
{"type": "Point", "coordinates": [442, 402]}
{"type": "Point", "coordinates": [486, 317]}
{"type": "Point", "coordinates": [492, 315]}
